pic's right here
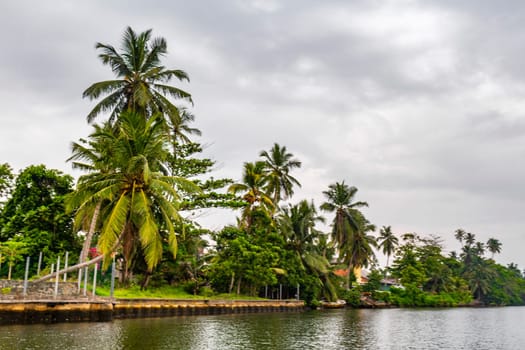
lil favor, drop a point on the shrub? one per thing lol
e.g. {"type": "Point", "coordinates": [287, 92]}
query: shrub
{"type": "Point", "coordinates": [352, 297]}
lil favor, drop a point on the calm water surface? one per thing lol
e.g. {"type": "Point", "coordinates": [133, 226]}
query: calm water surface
{"type": "Point", "coordinates": [490, 328]}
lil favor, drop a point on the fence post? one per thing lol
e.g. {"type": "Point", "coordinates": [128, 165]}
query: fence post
{"type": "Point", "coordinates": [95, 280]}
{"type": "Point", "coordinates": [86, 270]}
{"type": "Point", "coordinates": [39, 263]}
{"type": "Point", "coordinates": [112, 289]}
{"type": "Point", "coordinates": [57, 277]}
{"type": "Point", "coordinates": [79, 279]}
{"type": "Point", "coordinates": [26, 276]}
{"type": "Point", "coordinates": [65, 266]}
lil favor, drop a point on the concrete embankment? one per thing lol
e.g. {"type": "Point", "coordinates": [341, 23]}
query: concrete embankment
{"type": "Point", "coordinates": [54, 311]}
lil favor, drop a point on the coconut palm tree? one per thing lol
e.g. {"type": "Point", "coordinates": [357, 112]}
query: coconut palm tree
{"type": "Point", "coordinates": [388, 241]}
{"type": "Point", "coordinates": [253, 192]}
{"type": "Point", "coordinates": [460, 235]}
{"type": "Point", "coordinates": [347, 221]}
{"type": "Point", "coordinates": [181, 130]}
{"type": "Point", "coordinates": [297, 222]}
{"type": "Point", "coordinates": [139, 199]}
{"type": "Point", "coordinates": [278, 163]}
{"type": "Point", "coordinates": [141, 83]}
{"type": "Point", "coordinates": [359, 249]}
{"type": "Point", "coordinates": [493, 246]}
{"type": "Point", "coordinates": [92, 155]}
{"type": "Point", "coordinates": [340, 199]}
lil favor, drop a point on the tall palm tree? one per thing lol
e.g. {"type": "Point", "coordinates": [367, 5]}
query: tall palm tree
{"type": "Point", "coordinates": [253, 192]}
{"type": "Point", "coordinates": [389, 242]}
{"type": "Point", "coordinates": [141, 83]}
{"type": "Point", "coordinates": [297, 222]}
{"type": "Point", "coordinates": [470, 239]}
{"type": "Point", "coordinates": [360, 247]}
{"type": "Point", "coordinates": [493, 246]}
{"type": "Point", "coordinates": [346, 224]}
{"type": "Point", "coordinates": [92, 155]}
{"type": "Point", "coordinates": [181, 131]}
{"type": "Point", "coordinates": [140, 200]}
{"type": "Point", "coordinates": [340, 199]}
{"type": "Point", "coordinates": [460, 235]}
{"type": "Point", "coordinates": [278, 163]}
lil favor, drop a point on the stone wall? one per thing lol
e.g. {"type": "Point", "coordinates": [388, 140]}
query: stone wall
{"type": "Point", "coordinates": [14, 290]}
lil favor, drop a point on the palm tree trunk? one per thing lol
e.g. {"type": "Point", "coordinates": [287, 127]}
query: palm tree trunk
{"type": "Point", "coordinates": [70, 269]}
{"type": "Point", "coordinates": [350, 273]}
{"type": "Point", "coordinates": [239, 286]}
{"type": "Point", "coordinates": [83, 264]}
{"type": "Point", "coordinates": [232, 281]}
{"type": "Point", "coordinates": [91, 231]}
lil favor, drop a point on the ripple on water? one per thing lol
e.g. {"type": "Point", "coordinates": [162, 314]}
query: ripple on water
{"type": "Point", "coordinates": [392, 329]}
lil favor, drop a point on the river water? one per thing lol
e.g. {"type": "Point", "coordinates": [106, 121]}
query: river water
{"type": "Point", "coordinates": [455, 328]}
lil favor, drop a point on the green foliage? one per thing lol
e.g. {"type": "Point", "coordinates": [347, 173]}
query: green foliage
{"type": "Point", "coordinates": [141, 80]}
{"type": "Point", "coordinates": [350, 227]}
{"type": "Point", "coordinates": [184, 162]}
{"type": "Point", "coordinates": [34, 213]}
{"type": "Point", "coordinates": [6, 179]}
{"type": "Point", "coordinates": [351, 296]}
{"type": "Point", "coordinates": [374, 281]}
{"type": "Point", "coordinates": [430, 279]}
{"type": "Point", "coordinates": [247, 261]}
{"type": "Point", "coordinates": [13, 251]}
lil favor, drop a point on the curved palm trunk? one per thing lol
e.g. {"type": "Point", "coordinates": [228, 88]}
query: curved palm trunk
{"type": "Point", "coordinates": [70, 269]}
{"type": "Point", "coordinates": [80, 265]}
{"type": "Point", "coordinates": [91, 231]}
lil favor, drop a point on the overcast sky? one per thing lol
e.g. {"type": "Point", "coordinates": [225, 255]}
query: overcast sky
{"type": "Point", "coordinates": [419, 104]}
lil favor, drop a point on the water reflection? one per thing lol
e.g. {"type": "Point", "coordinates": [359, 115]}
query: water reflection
{"type": "Point", "coordinates": [498, 328]}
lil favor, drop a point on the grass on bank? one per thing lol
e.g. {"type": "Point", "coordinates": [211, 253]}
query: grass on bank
{"type": "Point", "coordinates": [166, 292]}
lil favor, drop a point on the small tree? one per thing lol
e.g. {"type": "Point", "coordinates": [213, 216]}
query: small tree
{"type": "Point", "coordinates": [13, 251]}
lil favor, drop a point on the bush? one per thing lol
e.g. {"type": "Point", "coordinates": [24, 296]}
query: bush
{"type": "Point", "coordinates": [206, 291]}
{"type": "Point", "coordinates": [381, 296]}
{"type": "Point", "coordinates": [352, 297]}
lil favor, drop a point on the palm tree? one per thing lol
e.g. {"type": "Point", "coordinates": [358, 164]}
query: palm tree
{"type": "Point", "coordinates": [278, 163]}
{"type": "Point", "coordinates": [252, 186]}
{"type": "Point", "coordinates": [141, 80]}
{"type": "Point", "coordinates": [388, 241]}
{"type": "Point", "coordinates": [494, 246]}
{"type": "Point", "coordinates": [140, 200]}
{"type": "Point", "coordinates": [92, 155]}
{"type": "Point", "coordinates": [360, 253]}
{"type": "Point", "coordinates": [470, 239]}
{"type": "Point", "coordinates": [460, 235]}
{"type": "Point", "coordinates": [297, 222]}
{"type": "Point", "coordinates": [181, 131]}
{"type": "Point", "coordinates": [340, 199]}
{"type": "Point", "coordinates": [13, 251]}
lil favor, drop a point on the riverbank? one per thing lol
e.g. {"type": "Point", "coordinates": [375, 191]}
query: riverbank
{"type": "Point", "coordinates": [106, 310]}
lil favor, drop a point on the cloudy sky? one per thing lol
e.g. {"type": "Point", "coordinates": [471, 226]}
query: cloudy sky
{"type": "Point", "coordinates": [419, 104]}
